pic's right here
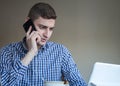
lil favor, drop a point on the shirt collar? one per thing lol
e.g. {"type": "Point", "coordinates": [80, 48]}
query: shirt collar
{"type": "Point", "coordinates": [24, 43]}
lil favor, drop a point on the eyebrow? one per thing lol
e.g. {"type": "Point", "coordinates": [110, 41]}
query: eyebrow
{"type": "Point", "coordinates": [44, 25]}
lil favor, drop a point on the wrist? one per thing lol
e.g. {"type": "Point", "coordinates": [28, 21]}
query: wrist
{"type": "Point", "coordinates": [33, 52]}
{"type": "Point", "coordinates": [28, 57]}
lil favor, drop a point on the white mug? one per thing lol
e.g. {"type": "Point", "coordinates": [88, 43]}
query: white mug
{"type": "Point", "coordinates": [55, 83]}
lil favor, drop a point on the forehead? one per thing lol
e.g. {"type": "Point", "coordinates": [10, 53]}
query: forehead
{"type": "Point", "coordinates": [46, 22]}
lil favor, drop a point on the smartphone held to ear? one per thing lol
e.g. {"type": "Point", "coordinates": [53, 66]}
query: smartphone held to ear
{"type": "Point", "coordinates": [27, 25]}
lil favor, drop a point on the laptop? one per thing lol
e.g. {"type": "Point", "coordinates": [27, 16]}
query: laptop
{"type": "Point", "coordinates": [105, 74]}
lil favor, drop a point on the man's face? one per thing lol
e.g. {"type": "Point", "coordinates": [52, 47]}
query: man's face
{"type": "Point", "coordinates": [45, 29]}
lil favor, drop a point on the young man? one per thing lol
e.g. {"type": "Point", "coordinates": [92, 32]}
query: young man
{"type": "Point", "coordinates": [34, 60]}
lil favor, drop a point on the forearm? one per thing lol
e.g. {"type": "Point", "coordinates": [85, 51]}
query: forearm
{"type": "Point", "coordinates": [74, 77]}
{"type": "Point", "coordinates": [71, 72]}
{"type": "Point", "coordinates": [12, 75]}
{"type": "Point", "coordinates": [28, 58]}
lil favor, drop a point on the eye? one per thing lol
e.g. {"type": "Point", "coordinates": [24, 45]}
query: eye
{"type": "Point", "coordinates": [51, 28]}
{"type": "Point", "coordinates": [42, 27]}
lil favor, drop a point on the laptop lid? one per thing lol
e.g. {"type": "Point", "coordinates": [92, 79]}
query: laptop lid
{"type": "Point", "coordinates": [105, 74]}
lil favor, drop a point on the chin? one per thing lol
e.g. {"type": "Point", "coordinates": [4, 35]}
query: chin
{"type": "Point", "coordinates": [41, 43]}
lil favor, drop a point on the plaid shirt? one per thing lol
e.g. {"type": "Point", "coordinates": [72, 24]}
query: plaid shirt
{"type": "Point", "coordinates": [52, 61]}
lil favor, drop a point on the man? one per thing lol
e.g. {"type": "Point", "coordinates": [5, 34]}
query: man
{"type": "Point", "coordinates": [34, 60]}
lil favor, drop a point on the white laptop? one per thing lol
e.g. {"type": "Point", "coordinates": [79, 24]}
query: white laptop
{"type": "Point", "coordinates": [105, 74]}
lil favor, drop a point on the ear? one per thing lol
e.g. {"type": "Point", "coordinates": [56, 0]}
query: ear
{"type": "Point", "coordinates": [26, 19]}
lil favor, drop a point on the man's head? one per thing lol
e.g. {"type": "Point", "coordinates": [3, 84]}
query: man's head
{"type": "Point", "coordinates": [43, 17]}
{"type": "Point", "coordinates": [43, 10]}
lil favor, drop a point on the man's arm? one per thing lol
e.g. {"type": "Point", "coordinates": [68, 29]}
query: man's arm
{"type": "Point", "coordinates": [70, 71]}
{"type": "Point", "coordinates": [11, 71]}
{"type": "Point", "coordinates": [12, 68]}
{"type": "Point", "coordinates": [31, 41]}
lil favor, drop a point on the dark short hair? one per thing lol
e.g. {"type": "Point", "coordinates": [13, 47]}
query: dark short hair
{"type": "Point", "coordinates": [42, 10]}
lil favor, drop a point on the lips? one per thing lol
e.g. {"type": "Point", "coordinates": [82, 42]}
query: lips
{"type": "Point", "coordinates": [43, 39]}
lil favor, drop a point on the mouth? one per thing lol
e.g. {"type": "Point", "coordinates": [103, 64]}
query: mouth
{"type": "Point", "coordinates": [43, 40]}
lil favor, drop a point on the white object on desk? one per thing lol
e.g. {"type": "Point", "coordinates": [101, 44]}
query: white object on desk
{"type": "Point", "coordinates": [55, 83]}
{"type": "Point", "coordinates": [105, 74]}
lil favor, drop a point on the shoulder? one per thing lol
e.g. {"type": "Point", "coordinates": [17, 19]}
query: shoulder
{"type": "Point", "coordinates": [6, 52]}
{"type": "Point", "coordinates": [8, 49]}
{"type": "Point", "coordinates": [57, 46]}
{"type": "Point", "coordinates": [10, 46]}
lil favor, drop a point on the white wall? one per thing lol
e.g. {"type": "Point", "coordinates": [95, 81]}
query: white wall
{"type": "Point", "coordinates": [89, 28]}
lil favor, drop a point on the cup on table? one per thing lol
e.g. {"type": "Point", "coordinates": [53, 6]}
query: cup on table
{"type": "Point", "coordinates": [55, 83]}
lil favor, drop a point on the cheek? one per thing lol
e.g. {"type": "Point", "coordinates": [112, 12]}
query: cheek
{"type": "Point", "coordinates": [51, 33]}
{"type": "Point", "coordinates": [41, 31]}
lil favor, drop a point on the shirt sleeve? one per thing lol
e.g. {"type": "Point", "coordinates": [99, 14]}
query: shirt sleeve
{"type": "Point", "coordinates": [11, 70]}
{"type": "Point", "coordinates": [70, 70]}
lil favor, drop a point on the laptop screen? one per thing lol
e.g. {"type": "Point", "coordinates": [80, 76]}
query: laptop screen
{"type": "Point", "coordinates": [105, 74]}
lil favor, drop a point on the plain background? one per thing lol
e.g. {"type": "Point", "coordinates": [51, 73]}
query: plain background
{"type": "Point", "coordinates": [90, 29]}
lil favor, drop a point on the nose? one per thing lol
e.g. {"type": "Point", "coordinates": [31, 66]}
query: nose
{"type": "Point", "coordinates": [46, 33]}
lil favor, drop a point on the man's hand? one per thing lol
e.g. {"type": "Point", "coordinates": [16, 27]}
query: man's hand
{"type": "Point", "coordinates": [32, 38]}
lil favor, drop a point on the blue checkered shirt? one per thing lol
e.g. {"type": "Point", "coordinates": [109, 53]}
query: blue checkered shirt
{"type": "Point", "coordinates": [52, 61]}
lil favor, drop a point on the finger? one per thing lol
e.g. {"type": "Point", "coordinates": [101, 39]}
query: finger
{"type": "Point", "coordinates": [29, 30]}
{"type": "Point", "coordinates": [38, 38]}
{"type": "Point", "coordinates": [32, 34]}
{"type": "Point", "coordinates": [40, 35]}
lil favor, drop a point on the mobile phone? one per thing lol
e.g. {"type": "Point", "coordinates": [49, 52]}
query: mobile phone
{"type": "Point", "coordinates": [27, 25]}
